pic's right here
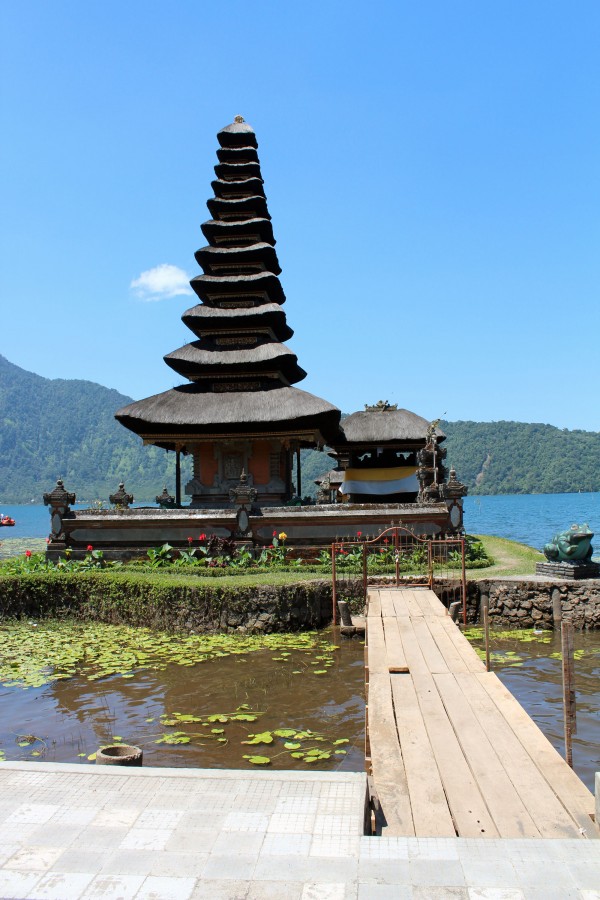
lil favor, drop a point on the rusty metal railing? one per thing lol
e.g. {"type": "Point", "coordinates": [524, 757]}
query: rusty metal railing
{"type": "Point", "coordinates": [412, 559]}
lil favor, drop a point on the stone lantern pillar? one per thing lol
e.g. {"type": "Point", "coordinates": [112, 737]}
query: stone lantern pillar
{"type": "Point", "coordinates": [59, 501]}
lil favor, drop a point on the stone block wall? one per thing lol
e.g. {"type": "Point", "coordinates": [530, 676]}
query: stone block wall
{"type": "Point", "coordinates": [541, 604]}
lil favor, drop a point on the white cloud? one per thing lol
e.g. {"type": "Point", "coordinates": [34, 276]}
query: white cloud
{"type": "Point", "coordinates": [161, 282]}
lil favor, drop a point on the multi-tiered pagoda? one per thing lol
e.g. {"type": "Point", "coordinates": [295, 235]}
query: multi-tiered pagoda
{"type": "Point", "coordinates": [239, 412]}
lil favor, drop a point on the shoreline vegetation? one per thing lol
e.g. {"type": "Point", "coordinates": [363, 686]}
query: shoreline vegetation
{"type": "Point", "coordinates": [174, 592]}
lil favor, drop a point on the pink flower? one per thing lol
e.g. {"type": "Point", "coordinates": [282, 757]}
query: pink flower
{"type": "Point", "coordinates": [28, 553]}
{"type": "Point", "coordinates": [202, 537]}
{"type": "Point", "coordinates": [89, 548]}
{"type": "Point", "coordinates": [190, 539]}
{"type": "Point", "coordinates": [359, 534]}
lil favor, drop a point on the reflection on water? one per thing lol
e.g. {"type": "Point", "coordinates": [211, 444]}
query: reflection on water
{"type": "Point", "coordinates": [74, 717]}
{"type": "Point", "coordinates": [532, 671]}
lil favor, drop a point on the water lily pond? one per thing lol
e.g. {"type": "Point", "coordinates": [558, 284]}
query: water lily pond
{"type": "Point", "coordinates": [224, 701]}
{"type": "Point", "coordinates": [529, 663]}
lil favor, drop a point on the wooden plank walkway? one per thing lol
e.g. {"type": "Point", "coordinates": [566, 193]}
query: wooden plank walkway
{"type": "Point", "coordinates": [451, 752]}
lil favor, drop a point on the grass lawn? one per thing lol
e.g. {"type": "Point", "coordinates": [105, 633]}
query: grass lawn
{"type": "Point", "coordinates": [509, 557]}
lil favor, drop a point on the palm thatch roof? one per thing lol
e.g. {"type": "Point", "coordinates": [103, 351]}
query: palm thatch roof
{"type": "Point", "coordinates": [190, 410]}
{"type": "Point", "coordinates": [385, 426]}
{"type": "Point", "coordinates": [210, 319]}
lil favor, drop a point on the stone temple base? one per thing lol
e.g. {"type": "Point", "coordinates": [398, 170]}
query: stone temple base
{"type": "Point", "coordinates": [571, 570]}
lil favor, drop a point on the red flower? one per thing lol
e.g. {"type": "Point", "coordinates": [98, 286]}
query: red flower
{"type": "Point", "coordinates": [190, 539]}
{"type": "Point", "coordinates": [386, 540]}
{"type": "Point", "coordinates": [359, 534]}
{"type": "Point", "coordinates": [202, 537]}
{"type": "Point", "coordinates": [382, 550]}
{"type": "Point", "coordinates": [272, 546]}
{"type": "Point", "coordinates": [89, 548]}
{"type": "Point", "coordinates": [28, 553]}
{"type": "Point", "coordinates": [274, 534]}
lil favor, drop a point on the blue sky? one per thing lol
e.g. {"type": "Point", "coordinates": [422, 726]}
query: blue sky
{"type": "Point", "coordinates": [432, 170]}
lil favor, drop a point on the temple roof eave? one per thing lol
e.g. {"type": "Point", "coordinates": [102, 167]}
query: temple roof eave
{"type": "Point", "coordinates": [189, 410]}
{"type": "Point", "coordinates": [206, 286]}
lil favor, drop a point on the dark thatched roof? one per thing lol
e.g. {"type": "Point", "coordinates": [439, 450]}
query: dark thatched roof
{"type": "Point", "coordinates": [238, 134]}
{"type": "Point", "coordinates": [231, 190]}
{"type": "Point", "coordinates": [207, 286]}
{"type": "Point", "coordinates": [196, 359]}
{"type": "Point", "coordinates": [252, 253]}
{"type": "Point", "coordinates": [237, 171]}
{"type": "Point", "coordinates": [192, 410]}
{"type": "Point", "coordinates": [209, 318]}
{"type": "Point", "coordinates": [217, 228]}
{"type": "Point", "coordinates": [385, 426]}
{"type": "Point", "coordinates": [237, 154]}
{"type": "Point", "coordinates": [254, 205]}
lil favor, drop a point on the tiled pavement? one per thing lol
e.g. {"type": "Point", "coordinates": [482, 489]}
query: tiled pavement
{"type": "Point", "coordinates": [71, 831]}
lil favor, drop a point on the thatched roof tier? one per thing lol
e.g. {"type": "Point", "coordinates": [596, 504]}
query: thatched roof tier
{"type": "Point", "coordinates": [205, 358]}
{"type": "Point", "coordinates": [215, 259]}
{"type": "Point", "coordinates": [264, 286]}
{"type": "Point", "coordinates": [237, 154]}
{"type": "Point", "coordinates": [234, 190]}
{"type": "Point", "coordinates": [244, 207]}
{"type": "Point", "coordinates": [203, 319]}
{"type": "Point", "coordinates": [385, 426]}
{"type": "Point", "coordinates": [189, 410]}
{"type": "Point", "coordinates": [238, 134]}
{"type": "Point", "coordinates": [234, 171]}
{"type": "Point", "coordinates": [247, 231]}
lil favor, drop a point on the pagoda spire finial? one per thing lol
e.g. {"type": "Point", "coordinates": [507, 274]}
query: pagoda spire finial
{"type": "Point", "coordinates": [239, 119]}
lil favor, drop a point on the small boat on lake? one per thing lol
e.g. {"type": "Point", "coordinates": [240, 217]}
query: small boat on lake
{"type": "Point", "coordinates": [6, 520]}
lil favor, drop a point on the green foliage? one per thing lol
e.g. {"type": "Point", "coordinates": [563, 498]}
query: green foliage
{"type": "Point", "coordinates": [38, 653]}
{"type": "Point", "coordinates": [521, 458]}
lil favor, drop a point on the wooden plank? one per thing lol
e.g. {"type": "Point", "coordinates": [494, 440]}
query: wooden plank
{"type": "Point", "coordinates": [569, 789]}
{"type": "Point", "coordinates": [469, 810]}
{"type": "Point", "coordinates": [431, 815]}
{"type": "Point", "coordinates": [430, 604]}
{"type": "Point", "coordinates": [430, 650]}
{"type": "Point", "coordinates": [388, 766]}
{"type": "Point", "coordinates": [551, 818]}
{"type": "Point", "coordinates": [446, 646]}
{"type": "Point", "coordinates": [409, 605]}
{"type": "Point", "coordinates": [373, 602]}
{"type": "Point", "coordinates": [472, 661]}
{"type": "Point", "coordinates": [387, 603]}
{"type": "Point", "coordinates": [376, 652]}
{"type": "Point", "coordinates": [396, 657]}
{"type": "Point", "coordinates": [412, 650]}
{"type": "Point", "coordinates": [505, 805]}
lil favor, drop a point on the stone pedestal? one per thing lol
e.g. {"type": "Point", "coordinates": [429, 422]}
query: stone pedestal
{"type": "Point", "coordinates": [570, 570]}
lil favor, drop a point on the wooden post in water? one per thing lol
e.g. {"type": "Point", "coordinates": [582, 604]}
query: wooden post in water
{"type": "Point", "coordinates": [333, 587]}
{"type": "Point", "coordinates": [568, 673]}
{"type": "Point", "coordinates": [486, 631]}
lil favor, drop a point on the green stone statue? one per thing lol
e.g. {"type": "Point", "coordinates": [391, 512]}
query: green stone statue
{"type": "Point", "coordinates": [572, 545]}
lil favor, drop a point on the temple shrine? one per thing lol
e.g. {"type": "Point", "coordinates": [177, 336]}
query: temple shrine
{"type": "Point", "coordinates": [240, 417]}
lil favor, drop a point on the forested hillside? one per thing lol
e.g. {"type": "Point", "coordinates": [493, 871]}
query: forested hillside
{"type": "Point", "coordinates": [517, 458]}
{"type": "Point", "coordinates": [59, 428]}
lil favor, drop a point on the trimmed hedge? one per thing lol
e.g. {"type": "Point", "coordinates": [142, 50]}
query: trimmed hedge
{"type": "Point", "coordinates": [167, 603]}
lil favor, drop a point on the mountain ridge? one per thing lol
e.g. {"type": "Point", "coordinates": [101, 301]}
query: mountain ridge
{"type": "Point", "coordinates": [52, 428]}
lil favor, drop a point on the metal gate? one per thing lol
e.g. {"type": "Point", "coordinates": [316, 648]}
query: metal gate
{"type": "Point", "coordinates": [401, 558]}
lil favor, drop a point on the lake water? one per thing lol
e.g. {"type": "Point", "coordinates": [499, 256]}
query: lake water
{"type": "Point", "coordinates": [528, 518]}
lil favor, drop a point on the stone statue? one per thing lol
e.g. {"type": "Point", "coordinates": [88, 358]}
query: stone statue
{"type": "Point", "coordinates": [572, 545]}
